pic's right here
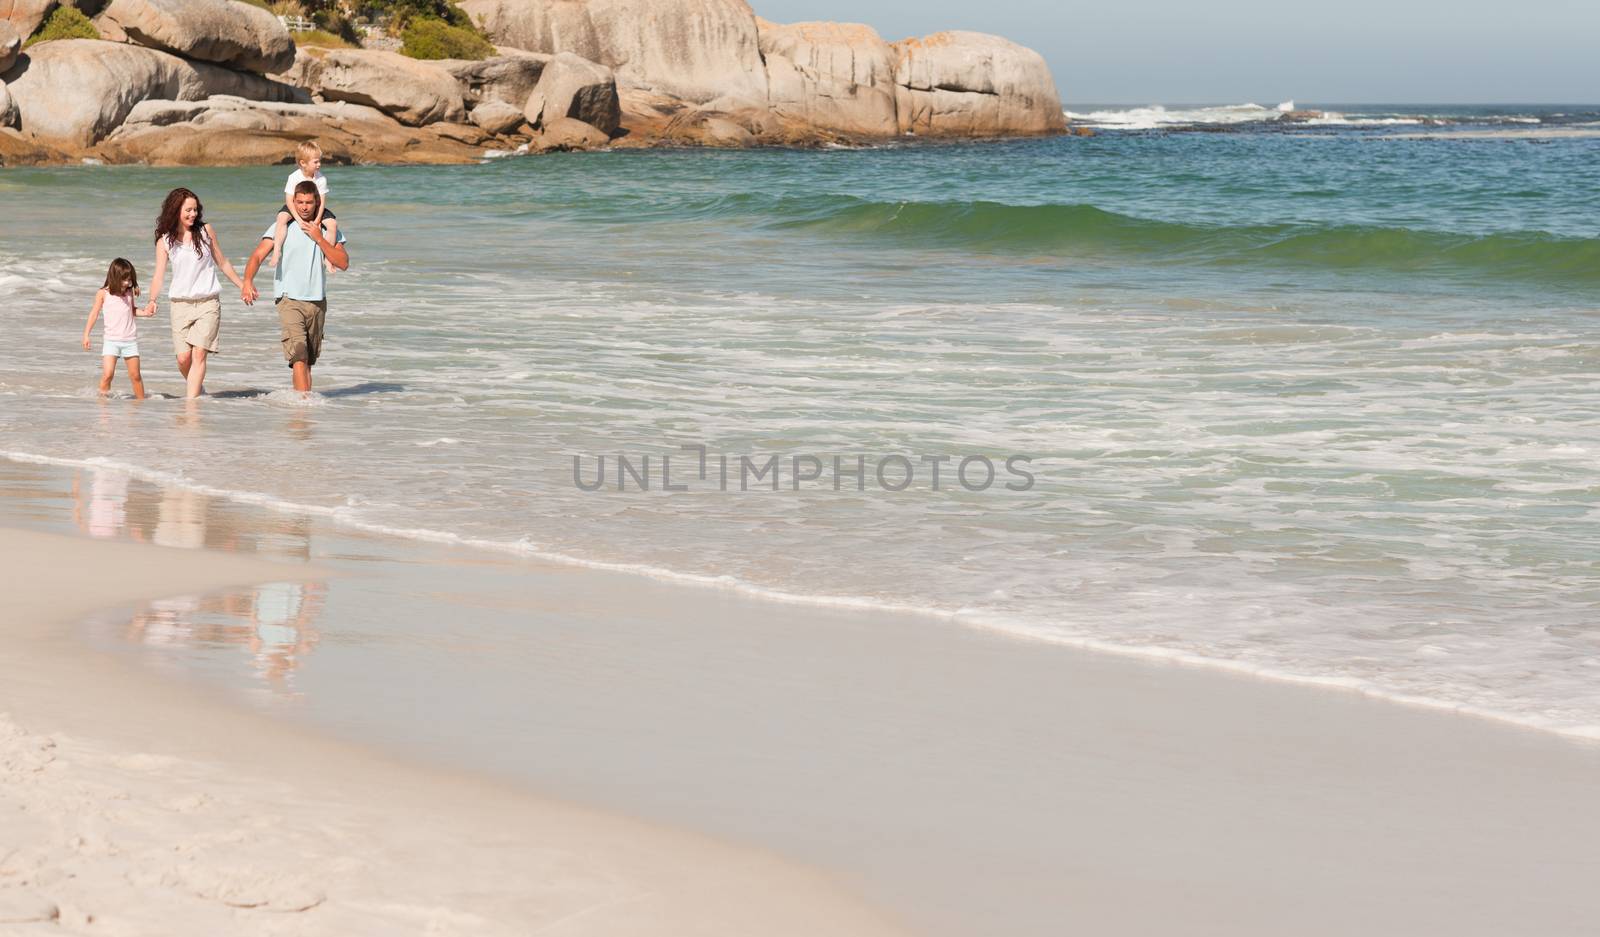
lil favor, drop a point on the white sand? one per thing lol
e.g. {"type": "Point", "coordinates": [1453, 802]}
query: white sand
{"type": "Point", "coordinates": [972, 784]}
{"type": "Point", "coordinates": [133, 807]}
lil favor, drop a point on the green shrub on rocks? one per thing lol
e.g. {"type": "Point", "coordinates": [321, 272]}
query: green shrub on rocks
{"type": "Point", "coordinates": [436, 39]}
{"type": "Point", "coordinates": [65, 23]}
{"type": "Point", "coordinates": [402, 12]}
{"type": "Point", "coordinates": [320, 38]}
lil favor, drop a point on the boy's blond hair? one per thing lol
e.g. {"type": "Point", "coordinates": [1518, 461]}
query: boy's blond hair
{"type": "Point", "coordinates": [306, 150]}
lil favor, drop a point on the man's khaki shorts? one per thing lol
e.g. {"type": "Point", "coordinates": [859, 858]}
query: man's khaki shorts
{"type": "Point", "coordinates": [301, 323]}
{"type": "Point", "coordinates": [196, 322]}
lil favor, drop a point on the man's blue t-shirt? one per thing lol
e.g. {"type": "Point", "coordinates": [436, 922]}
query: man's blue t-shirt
{"type": "Point", "coordinates": [300, 274]}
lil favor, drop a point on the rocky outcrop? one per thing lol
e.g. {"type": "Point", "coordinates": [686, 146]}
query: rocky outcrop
{"type": "Point", "coordinates": [9, 115]}
{"type": "Point", "coordinates": [509, 76]}
{"type": "Point", "coordinates": [226, 131]}
{"type": "Point", "coordinates": [697, 50]}
{"type": "Point", "coordinates": [18, 150]}
{"type": "Point", "coordinates": [10, 45]}
{"type": "Point", "coordinates": [72, 93]}
{"type": "Point", "coordinates": [496, 116]}
{"type": "Point", "coordinates": [964, 84]}
{"type": "Point", "coordinates": [567, 133]}
{"type": "Point", "coordinates": [225, 32]}
{"type": "Point", "coordinates": [25, 15]}
{"type": "Point", "coordinates": [576, 88]}
{"type": "Point", "coordinates": [837, 77]}
{"type": "Point", "coordinates": [413, 92]}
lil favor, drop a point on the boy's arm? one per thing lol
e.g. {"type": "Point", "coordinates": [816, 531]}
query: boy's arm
{"type": "Point", "coordinates": [94, 313]}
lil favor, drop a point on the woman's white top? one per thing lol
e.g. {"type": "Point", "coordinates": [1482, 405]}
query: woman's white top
{"type": "Point", "coordinates": [194, 276]}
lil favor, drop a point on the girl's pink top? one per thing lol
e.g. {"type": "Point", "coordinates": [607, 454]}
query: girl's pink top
{"type": "Point", "coordinates": [118, 311]}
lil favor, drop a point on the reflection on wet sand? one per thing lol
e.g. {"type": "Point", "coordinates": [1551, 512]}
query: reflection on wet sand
{"type": "Point", "coordinates": [109, 503]}
{"type": "Point", "coordinates": [274, 624]}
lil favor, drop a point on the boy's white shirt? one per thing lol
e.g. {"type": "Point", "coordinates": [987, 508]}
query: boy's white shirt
{"type": "Point", "coordinates": [297, 177]}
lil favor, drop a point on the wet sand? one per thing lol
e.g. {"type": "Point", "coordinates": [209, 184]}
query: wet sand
{"type": "Point", "coordinates": [964, 782]}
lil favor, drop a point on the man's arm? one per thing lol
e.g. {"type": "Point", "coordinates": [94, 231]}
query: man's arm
{"type": "Point", "coordinates": [335, 253]}
{"type": "Point", "coordinates": [247, 291]}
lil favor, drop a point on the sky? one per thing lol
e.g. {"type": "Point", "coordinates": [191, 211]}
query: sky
{"type": "Point", "coordinates": [1268, 51]}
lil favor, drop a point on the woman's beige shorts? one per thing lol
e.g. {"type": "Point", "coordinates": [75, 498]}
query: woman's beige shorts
{"type": "Point", "coordinates": [196, 322]}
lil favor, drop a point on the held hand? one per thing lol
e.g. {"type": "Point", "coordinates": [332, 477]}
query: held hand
{"type": "Point", "coordinates": [150, 308]}
{"type": "Point", "coordinates": [248, 293]}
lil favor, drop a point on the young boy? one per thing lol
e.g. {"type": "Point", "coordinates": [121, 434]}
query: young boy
{"type": "Point", "coordinates": [309, 156]}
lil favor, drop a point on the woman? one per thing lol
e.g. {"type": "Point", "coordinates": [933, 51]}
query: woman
{"type": "Point", "coordinates": [184, 240]}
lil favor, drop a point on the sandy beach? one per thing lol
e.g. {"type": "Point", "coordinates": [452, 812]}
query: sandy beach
{"type": "Point", "coordinates": [136, 806]}
{"type": "Point", "coordinates": [836, 771]}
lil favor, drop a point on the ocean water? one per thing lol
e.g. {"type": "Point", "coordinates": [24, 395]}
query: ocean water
{"type": "Point", "coordinates": [1313, 401]}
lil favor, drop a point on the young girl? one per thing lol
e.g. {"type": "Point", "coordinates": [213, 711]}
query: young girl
{"type": "Point", "coordinates": [121, 340]}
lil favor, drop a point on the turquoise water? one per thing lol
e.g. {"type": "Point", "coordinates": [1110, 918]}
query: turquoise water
{"type": "Point", "coordinates": [1311, 402]}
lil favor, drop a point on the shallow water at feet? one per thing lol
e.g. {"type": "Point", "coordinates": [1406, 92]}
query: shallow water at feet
{"type": "Point", "coordinates": [1318, 406]}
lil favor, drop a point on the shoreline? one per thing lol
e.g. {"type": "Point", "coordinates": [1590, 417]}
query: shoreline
{"type": "Point", "coordinates": [718, 584]}
{"type": "Point", "coordinates": [200, 819]}
{"type": "Point", "coordinates": [988, 785]}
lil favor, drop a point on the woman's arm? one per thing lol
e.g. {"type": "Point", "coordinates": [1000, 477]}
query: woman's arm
{"type": "Point", "coordinates": [222, 260]}
{"type": "Point", "coordinates": [161, 271]}
{"type": "Point", "coordinates": [99, 300]}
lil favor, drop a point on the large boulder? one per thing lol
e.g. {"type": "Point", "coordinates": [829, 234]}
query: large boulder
{"type": "Point", "coordinates": [568, 133]}
{"type": "Point", "coordinates": [25, 15]}
{"type": "Point", "coordinates": [509, 77]}
{"type": "Point", "coordinates": [837, 77]}
{"type": "Point", "coordinates": [10, 45]}
{"type": "Point", "coordinates": [73, 92]}
{"type": "Point", "coordinates": [228, 131]}
{"type": "Point", "coordinates": [576, 88]}
{"type": "Point", "coordinates": [226, 32]}
{"type": "Point", "coordinates": [411, 91]}
{"type": "Point", "coordinates": [496, 116]}
{"type": "Point", "coordinates": [964, 84]}
{"type": "Point", "coordinates": [697, 50]}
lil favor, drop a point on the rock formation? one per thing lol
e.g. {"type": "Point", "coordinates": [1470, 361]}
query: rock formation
{"type": "Point", "coordinates": [25, 15]}
{"type": "Point", "coordinates": [838, 77]}
{"type": "Point", "coordinates": [973, 84]}
{"type": "Point", "coordinates": [496, 116]}
{"type": "Point", "coordinates": [10, 45]}
{"type": "Point", "coordinates": [568, 74]}
{"type": "Point", "coordinates": [696, 50]}
{"type": "Point", "coordinates": [576, 88]}
{"type": "Point", "coordinates": [412, 91]}
{"type": "Point", "coordinates": [74, 92]}
{"type": "Point", "coordinates": [9, 115]}
{"type": "Point", "coordinates": [225, 32]}
{"type": "Point", "coordinates": [567, 133]}
{"type": "Point", "coordinates": [224, 131]}
{"type": "Point", "coordinates": [509, 76]}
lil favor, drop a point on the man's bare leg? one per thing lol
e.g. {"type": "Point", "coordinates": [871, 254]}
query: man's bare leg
{"type": "Point", "coordinates": [302, 377]}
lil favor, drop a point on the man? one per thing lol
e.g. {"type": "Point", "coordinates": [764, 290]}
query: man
{"type": "Point", "coordinates": [299, 285]}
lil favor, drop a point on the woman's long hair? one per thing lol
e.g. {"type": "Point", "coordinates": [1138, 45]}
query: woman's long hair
{"type": "Point", "coordinates": [121, 280]}
{"type": "Point", "coordinates": [169, 224]}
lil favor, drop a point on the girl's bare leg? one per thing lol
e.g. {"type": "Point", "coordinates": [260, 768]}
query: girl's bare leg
{"type": "Point", "coordinates": [135, 378]}
{"type": "Point", "coordinates": [108, 368]}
